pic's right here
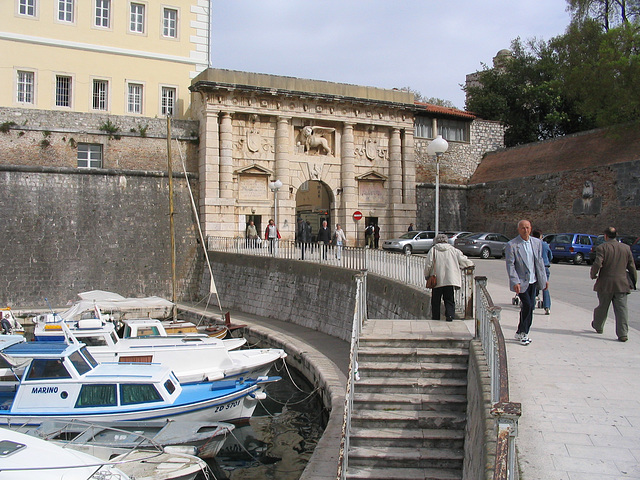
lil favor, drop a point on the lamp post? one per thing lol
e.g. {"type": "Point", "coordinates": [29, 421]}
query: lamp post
{"type": "Point", "coordinates": [437, 147]}
{"type": "Point", "coordinates": [275, 186]}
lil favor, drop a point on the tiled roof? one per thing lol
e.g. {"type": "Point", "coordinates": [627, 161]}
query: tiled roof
{"type": "Point", "coordinates": [437, 109]}
{"type": "Point", "coordinates": [594, 148]}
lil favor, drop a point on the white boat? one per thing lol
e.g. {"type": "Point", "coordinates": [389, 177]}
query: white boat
{"type": "Point", "coordinates": [64, 382]}
{"type": "Point", "coordinates": [139, 465]}
{"type": "Point", "coordinates": [106, 440]}
{"type": "Point", "coordinates": [193, 358]}
{"type": "Point", "coordinates": [23, 457]}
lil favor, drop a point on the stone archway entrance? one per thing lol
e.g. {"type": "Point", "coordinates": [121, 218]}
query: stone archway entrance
{"type": "Point", "coordinates": [313, 204]}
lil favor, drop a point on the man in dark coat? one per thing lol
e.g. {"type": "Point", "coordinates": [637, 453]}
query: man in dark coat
{"type": "Point", "coordinates": [613, 270]}
{"type": "Point", "coordinates": [324, 237]}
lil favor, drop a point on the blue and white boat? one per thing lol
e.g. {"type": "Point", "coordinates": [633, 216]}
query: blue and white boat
{"type": "Point", "coordinates": [64, 382]}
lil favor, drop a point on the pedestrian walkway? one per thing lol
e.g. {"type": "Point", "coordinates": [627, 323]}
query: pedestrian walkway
{"type": "Point", "coordinates": [580, 394]}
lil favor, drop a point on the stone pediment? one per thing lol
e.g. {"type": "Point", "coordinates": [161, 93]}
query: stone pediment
{"type": "Point", "coordinates": [253, 170]}
{"type": "Point", "coordinates": [372, 176]}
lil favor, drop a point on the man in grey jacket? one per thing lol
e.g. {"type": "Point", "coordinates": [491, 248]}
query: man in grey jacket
{"type": "Point", "coordinates": [613, 268]}
{"type": "Point", "coordinates": [525, 268]}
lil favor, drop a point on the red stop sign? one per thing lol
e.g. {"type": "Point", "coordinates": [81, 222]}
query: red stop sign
{"type": "Point", "coordinates": [357, 215]}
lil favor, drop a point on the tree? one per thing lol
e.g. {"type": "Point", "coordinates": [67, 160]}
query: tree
{"type": "Point", "coordinates": [526, 95]}
{"type": "Point", "coordinates": [432, 100]}
{"type": "Point", "coordinates": [608, 13]}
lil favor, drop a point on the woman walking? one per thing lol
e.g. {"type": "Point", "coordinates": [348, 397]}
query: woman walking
{"type": "Point", "coordinates": [444, 261]}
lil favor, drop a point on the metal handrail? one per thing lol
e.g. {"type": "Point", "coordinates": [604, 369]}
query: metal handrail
{"type": "Point", "coordinates": [507, 413]}
{"type": "Point", "coordinates": [359, 317]}
{"type": "Point", "coordinates": [408, 269]}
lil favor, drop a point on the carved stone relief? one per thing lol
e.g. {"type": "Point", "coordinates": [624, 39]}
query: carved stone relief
{"type": "Point", "coordinates": [588, 204]}
{"type": "Point", "coordinates": [316, 140]}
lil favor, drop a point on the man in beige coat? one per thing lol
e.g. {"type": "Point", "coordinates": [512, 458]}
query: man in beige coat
{"type": "Point", "coordinates": [612, 267]}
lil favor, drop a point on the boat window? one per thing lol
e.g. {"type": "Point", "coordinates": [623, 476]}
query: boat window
{"type": "Point", "coordinates": [114, 338]}
{"type": "Point", "coordinates": [169, 386]}
{"type": "Point", "coordinates": [127, 332]}
{"type": "Point", "coordinates": [7, 447]}
{"type": "Point", "coordinates": [92, 340]}
{"type": "Point", "coordinates": [87, 354]}
{"type": "Point", "coordinates": [79, 362]}
{"type": "Point", "coordinates": [94, 395]}
{"type": "Point", "coordinates": [47, 368]}
{"type": "Point", "coordinates": [148, 332]}
{"type": "Point", "coordinates": [138, 393]}
{"type": "Point", "coordinates": [4, 363]}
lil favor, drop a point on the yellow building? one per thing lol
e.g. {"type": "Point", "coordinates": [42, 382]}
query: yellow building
{"type": "Point", "coordinates": [120, 57]}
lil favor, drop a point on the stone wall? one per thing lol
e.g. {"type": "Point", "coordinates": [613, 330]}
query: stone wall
{"type": "Point", "coordinates": [453, 207]}
{"type": "Point", "coordinates": [50, 138]}
{"type": "Point", "coordinates": [462, 158]}
{"type": "Point", "coordinates": [315, 296]}
{"type": "Point", "coordinates": [68, 230]}
{"type": "Point", "coordinates": [554, 202]}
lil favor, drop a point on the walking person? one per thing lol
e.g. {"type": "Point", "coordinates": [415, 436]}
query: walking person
{"type": "Point", "coordinates": [252, 235]}
{"type": "Point", "coordinates": [272, 235]}
{"type": "Point", "coordinates": [341, 240]}
{"type": "Point", "coordinates": [410, 229]}
{"type": "Point", "coordinates": [613, 269]}
{"type": "Point", "coordinates": [324, 237]}
{"type": "Point", "coordinates": [376, 235]}
{"type": "Point", "coordinates": [445, 261]}
{"type": "Point", "coordinates": [368, 235]}
{"type": "Point", "coordinates": [302, 236]}
{"type": "Point", "coordinates": [547, 256]}
{"type": "Point", "coordinates": [525, 269]}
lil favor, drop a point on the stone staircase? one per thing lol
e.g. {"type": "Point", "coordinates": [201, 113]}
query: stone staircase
{"type": "Point", "coordinates": [409, 411]}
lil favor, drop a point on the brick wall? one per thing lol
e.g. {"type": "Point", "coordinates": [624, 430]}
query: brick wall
{"type": "Point", "coordinates": [67, 230]}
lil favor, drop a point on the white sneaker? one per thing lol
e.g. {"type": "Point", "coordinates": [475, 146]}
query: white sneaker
{"type": "Point", "coordinates": [524, 339]}
{"type": "Point", "coordinates": [518, 336]}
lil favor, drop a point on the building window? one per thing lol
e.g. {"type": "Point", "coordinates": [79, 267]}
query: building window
{"type": "Point", "coordinates": [103, 13]}
{"type": "Point", "coordinates": [168, 101]}
{"type": "Point", "coordinates": [454, 130]}
{"type": "Point", "coordinates": [424, 127]}
{"type": "Point", "coordinates": [27, 7]}
{"type": "Point", "coordinates": [100, 95]}
{"type": "Point", "coordinates": [134, 101]}
{"type": "Point", "coordinates": [65, 10]}
{"type": "Point", "coordinates": [170, 23]}
{"type": "Point", "coordinates": [136, 23]}
{"type": "Point", "coordinates": [89, 155]}
{"type": "Point", "coordinates": [63, 91]}
{"type": "Point", "coordinates": [25, 87]}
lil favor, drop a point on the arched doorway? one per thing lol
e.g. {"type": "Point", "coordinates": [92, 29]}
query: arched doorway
{"type": "Point", "coordinates": [313, 205]}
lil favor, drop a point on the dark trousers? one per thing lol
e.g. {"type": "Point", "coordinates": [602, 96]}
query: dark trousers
{"type": "Point", "coordinates": [527, 304]}
{"type": "Point", "coordinates": [446, 293]}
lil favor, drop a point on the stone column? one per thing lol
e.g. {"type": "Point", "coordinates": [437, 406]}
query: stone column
{"type": "Point", "coordinates": [209, 167]}
{"type": "Point", "coordinates": [408, 169]}
{"type": "Point", "coordinates": [286, 214]}
{"type": "Point", "coordinates": [226, 159]}
{"type": "Point", "coordinates": [395, 167]}
{"type": "Point", "coordinates": [348, 183]}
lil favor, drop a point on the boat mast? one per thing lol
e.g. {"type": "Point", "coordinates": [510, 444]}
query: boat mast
{"type": "Point", "coordinates": [171, 226]}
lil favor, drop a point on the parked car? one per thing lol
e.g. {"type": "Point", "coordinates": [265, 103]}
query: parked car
{"type": "Point", "coordinates": [453, 236]}
{"type": "Point", "coordinates": [548, 237]}
{"type": "Point", "coordinates": [571, 247]}
{"type": "Point", "coordinates": [483, 245]}
{"type": "Point", "coordinates": [635, 249]}
{"type": "Point", "coordinates": [628, 239]}
{"type": "Point", "coordinates": [410, 242]}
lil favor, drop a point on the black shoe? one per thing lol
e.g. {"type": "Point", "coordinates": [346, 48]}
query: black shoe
{"type": "Point", "coordinates": [622, 339]}
{"type": "Point", "coordinates": [449, 319]}
{"type": "Point", "coordinates": [597, 331]}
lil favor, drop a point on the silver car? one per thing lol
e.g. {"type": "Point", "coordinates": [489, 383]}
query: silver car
{"type": "Point", "coordinates": [483, 245]}
{"type": "Point", "coordinates": [453, 236]}
{"type": "Point", "coordinates": [410, 242]}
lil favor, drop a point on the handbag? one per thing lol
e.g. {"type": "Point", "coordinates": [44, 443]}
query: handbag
{"type": "Point", "coordinates": [432, 281]}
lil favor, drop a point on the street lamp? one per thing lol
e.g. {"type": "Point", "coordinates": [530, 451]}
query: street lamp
{"type": "Point", "coordinates": [275, 186]}
{"type": "Point", "coordinates": [437, 147]}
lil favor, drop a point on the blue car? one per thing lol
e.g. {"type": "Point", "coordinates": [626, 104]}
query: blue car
{"type": "Point", "coordinates": [571, 247]}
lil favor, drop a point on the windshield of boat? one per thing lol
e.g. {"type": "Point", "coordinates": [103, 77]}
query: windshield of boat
{"type": "Point", "coordinates": [92, 361]}
{"type": "Point", "coordinates": [78, 361]}
{"type": "Point", "coordinates": [47, 368]}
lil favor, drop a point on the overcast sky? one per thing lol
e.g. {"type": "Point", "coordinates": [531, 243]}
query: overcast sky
{"type": "Point", "coordinates": [428, 45]}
